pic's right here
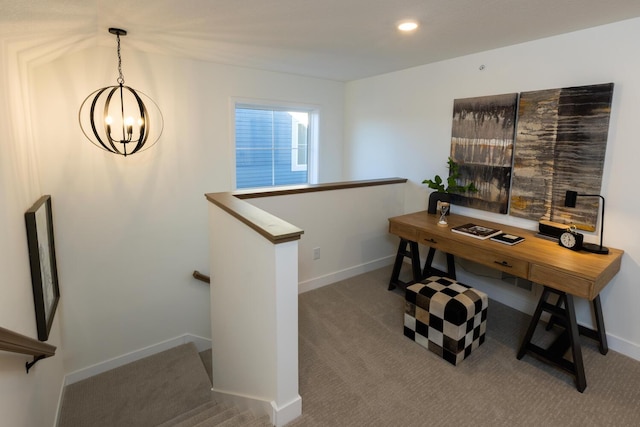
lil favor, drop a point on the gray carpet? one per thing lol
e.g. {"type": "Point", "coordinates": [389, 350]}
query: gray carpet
{"type": "Point", "coordinates": [143, 393]}
{"type": "Point", "coordinates": [358, 369]}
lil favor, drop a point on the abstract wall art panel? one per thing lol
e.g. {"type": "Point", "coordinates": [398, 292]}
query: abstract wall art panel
{"type": "Point", "coordinates": [561, 139]}
{"type": "Point", "coordinates": [482, 145]}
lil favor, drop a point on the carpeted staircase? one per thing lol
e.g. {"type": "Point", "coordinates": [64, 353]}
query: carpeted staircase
{"type": "Point", "coordinates": [217, 414]}
{"type": "Point", "coordinates": [168, 389]}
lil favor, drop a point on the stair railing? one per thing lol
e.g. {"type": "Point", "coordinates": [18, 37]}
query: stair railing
{"type": "Point", "coordinates": [17, 343]}
{"type": "Point", "coordinates": [201, 277]}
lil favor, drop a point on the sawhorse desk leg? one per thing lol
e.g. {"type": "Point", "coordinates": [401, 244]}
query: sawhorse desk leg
{"type": "Point", "coordinates": [563, 312]}
{"type": "Point", "coordinates": [406, 248]}
{"type": "Point", "coordinates": [409, 249]}
{"type": "Point", "coordinates": [598, 334]}
{"type": "Point", "coordinates": [429, 270]}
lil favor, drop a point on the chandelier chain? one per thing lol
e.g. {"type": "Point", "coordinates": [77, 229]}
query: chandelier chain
{"type": "Point", "coordinates": [120, 76]}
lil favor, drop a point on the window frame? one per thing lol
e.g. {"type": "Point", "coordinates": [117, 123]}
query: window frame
{"type": "Point", "coordinates": [296, 166]}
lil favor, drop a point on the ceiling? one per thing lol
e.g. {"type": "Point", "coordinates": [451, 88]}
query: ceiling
{"type": "Point", "coordinates": [333, 39]}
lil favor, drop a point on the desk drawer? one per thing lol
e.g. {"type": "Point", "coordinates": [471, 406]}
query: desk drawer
{"type": "Point", "coordinates": [474, 252]}
{"type": "Point", "coordinates": [516, 267]}
{"type": "Point", "coordinates": [404, 231]}
{"type": "Point", "coordinates": [437, 242]}
{"type": "Point", "coordinates": [562, 281]}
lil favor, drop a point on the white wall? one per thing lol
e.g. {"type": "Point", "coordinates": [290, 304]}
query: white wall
{"type": "Point", "coordinates": [37, 392]}
{"type": "Point", "coordinates": [399, 124]}
{"type": "Point", "coordinates": [131, 230]}
{"type": "Point", "coordinates": [349, 227]}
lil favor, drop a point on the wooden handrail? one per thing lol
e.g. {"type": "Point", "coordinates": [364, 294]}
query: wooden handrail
{"type": "Point", "coordinates": [313, 188]}
{"type": "Point", "coordinates": [201, 277]}
{"type": "Point", "coordinates": [17, 343]}
{"type": "Point", "coordinates": [269, 226]}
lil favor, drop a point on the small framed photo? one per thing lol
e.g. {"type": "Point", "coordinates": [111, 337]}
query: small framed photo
{"type": "Point", "coordinates": [42, 257]}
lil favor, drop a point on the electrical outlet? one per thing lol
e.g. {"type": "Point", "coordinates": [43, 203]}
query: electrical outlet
{"type": "Point", "coordinates": [316, 253]}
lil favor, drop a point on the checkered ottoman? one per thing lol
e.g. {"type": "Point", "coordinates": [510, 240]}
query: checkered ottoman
{"type": "Point", "coordinates": [446, 317]}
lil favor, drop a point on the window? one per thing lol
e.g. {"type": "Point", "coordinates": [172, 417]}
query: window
{"type": "Point", "coordinates": [272, 145]}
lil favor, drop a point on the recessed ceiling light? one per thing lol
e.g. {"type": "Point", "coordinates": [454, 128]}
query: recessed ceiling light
{"type": "Point", "coordinates": [407, 26]}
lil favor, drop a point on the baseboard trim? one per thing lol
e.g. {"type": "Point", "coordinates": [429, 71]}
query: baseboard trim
{"type": "Point", "coordinates": [622, 346]}
{"type": "Point", "coordinates": [60, 399]}
{"type": "Point", "coordinates": [285, 414]}
{"type": "Point", "coordinates": [201, 344]}
{"type": "Point", "coordinates": [279, 416]}
{"type": "Point", "coordinates": [336, 276]}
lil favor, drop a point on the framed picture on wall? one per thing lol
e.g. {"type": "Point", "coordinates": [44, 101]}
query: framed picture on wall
{"type": "Point", "coordinates": [561, 141]}
{"type": "Point", "coordinates": [482, 142]}
{"type": "Point", "coordinates": [42, 257]}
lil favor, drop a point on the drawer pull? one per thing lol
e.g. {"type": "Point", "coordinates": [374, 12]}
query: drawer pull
{"type": "Point", "coordinates": [503, 263]}
{"type": "Point", "coordinates": [430, 240]}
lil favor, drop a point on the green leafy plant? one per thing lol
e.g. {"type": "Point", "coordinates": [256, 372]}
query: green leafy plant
{"type": "Point", "coordinates": [452, 186]}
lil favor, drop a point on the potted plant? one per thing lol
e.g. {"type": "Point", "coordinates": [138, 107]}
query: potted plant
{"type": "Point", "coordinates": [444, 189]}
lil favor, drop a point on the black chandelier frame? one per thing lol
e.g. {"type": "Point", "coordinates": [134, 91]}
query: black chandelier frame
{"type": "Point", "coordinates": [124, 137]}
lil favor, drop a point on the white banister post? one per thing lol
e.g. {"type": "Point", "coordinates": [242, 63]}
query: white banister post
{"type": "Point", "coordinates": [254, 317]}
{"type": "Point", "coordinates": [289, 403]}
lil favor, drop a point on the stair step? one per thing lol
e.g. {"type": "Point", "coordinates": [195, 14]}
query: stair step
{"type": "Point", "coordinates": [263, 421]}
{"type": "Point", "coordinates": [239, 419]}
{"type": "Point", "coordinates": [199, 414]}
{"type": "Point", "coordinates": [219, 418]}
{"type": "Point", "coordinates": [156, 388]}
{"type": "Point", "coordinates": [140, 381]}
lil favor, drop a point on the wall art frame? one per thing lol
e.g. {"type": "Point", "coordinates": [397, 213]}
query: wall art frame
{"type": "Point", "coordinates": [482, 140]}
{"type": "Point", "coordinates": [42, 258]}
{"type": "Point", "coordinates": [561, 141]}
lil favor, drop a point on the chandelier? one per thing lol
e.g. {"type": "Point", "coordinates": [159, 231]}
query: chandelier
{"type": "Point", "coordinates": [119, 119]}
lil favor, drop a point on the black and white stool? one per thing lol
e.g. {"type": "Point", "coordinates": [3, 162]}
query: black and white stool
{"type": "Point", "coordinates": [446, 317]}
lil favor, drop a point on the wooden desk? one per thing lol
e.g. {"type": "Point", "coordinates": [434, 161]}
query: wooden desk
{"type": "Point", "coordinates": [562, 272]}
